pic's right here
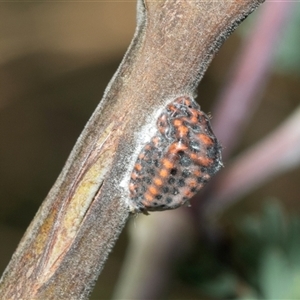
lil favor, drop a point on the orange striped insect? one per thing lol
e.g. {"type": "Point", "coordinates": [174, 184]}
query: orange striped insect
{"type": "Point", "coordinates": [178, 161]}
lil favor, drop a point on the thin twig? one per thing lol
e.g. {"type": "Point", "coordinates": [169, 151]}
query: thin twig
{"type": "Point", "coordinates": [274, 155]}
{"type": "Point", "coordinates": [241, 95]}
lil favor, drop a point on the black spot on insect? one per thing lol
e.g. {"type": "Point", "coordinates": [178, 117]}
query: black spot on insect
{"type": "Point", "coordinates": [202, 180]}
{"type": "Point", "coordinates": [143, 189]}
{"type": "Point", "coordinates": [195, 146]}
{"type": "Point", "coordinates": [181, 183]}
{"type": "Point", "coordinates": [169, 200]}
{"type": "Point", "coordinates": [186, 173]}
{"type": "Point", "coordinates": [175, 191]}
{"type": "Point", "coordinates": [180, 153]}
{"type": "Point", "coordinates": [196, 128]}
{"type": "Point", "coordinates": [171, 180]}
{"type": "Point", "coordinates": [165, 189]}
{"type": "Point", "coordinates": [147, 180]}
{"type": "Point", "coordinates": [173, 171]}
{"type": "Point", "coordinates": [135, 180]}
{"type": "Point", "coordinates": [185, 161]}
{"type": "Point", "coordinates": [149, 161]}
{"type": "Point", "coordinates": [150, 171]}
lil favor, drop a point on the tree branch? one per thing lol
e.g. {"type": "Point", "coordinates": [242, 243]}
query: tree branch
{"type": "Point", "coordinates": [67, 243]}
{"type": "Point", "coordinates": [240, 98]}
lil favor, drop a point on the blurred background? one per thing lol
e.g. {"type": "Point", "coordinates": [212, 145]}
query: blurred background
{"type": "Point", "coordinates": [56, 59]}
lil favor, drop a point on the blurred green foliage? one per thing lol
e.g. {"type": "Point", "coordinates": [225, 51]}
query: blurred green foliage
{"type": "Point", "coordinates": [260, 259]}
{"type": "Point", "coordinates": [287, 56]}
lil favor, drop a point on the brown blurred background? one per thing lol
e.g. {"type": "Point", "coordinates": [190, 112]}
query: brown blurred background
{"type": "Point", "coordinates": [56, 59]}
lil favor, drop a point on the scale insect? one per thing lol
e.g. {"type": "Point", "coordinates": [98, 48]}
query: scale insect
{"type": "Point", "coordinates": [178, 161]}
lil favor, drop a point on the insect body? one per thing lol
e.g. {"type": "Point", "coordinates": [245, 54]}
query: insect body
{"type": "Point", "coordinates": [178, 161]}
